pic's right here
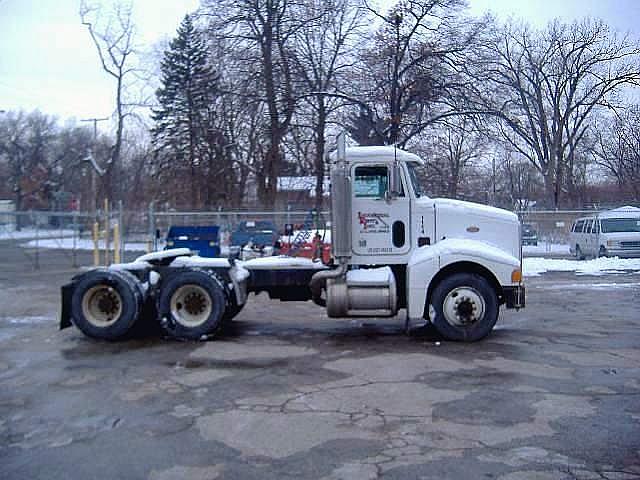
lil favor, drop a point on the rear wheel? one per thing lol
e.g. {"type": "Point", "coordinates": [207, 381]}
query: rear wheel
{"type": "Point", "coordinates": [191, 304]}
{"type": "Point", "coordinates": [464, 307]}
{"type": "Point", "coordinates": [106, 303]}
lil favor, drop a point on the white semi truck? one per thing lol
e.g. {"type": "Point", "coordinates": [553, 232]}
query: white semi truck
{"type": "Point", "coordinates": [447, 262]}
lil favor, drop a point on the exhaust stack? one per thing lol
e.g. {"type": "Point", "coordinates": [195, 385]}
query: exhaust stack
{"type": "Point", "coordinates": [341, 204]}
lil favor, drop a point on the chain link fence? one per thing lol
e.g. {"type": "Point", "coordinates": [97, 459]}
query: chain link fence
{"type": "Point", "coordinates": [46, 240]}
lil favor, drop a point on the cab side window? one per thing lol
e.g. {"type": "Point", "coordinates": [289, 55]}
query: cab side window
{"type": "Point", "coordinates": [370, 182]}
{"type": "Point", "coordinates": [596, 226]}
{"type": "Point", "coordinates": [578, 226]}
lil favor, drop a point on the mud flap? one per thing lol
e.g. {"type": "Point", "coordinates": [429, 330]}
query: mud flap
{"type": "Point", "coordinates": [65, 315]}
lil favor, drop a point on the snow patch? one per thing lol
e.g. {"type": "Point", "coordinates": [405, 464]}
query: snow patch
{"type": "Point", "coordinates": [546, 248]}
{"type": "Point", "coordinates": [282, 262]}
{"type": "Point", "coordinates": [159, 255]}
{"type": "Point", "coordinates": [26, 233]}
{"type": "Point", "coordinates": [198, 261]}
{"type": "Point", "coordinates": [239, 274]}
{"type": "Point", "coordinates": [590, 286]}
{"type": "Point", "coordinates": [471, 208]}
{"type": "Point", "coordinates": [369, 276]}
{"type": "Point", "coordinates": [534, 266]}
{"type": "Point", "coordinates": [154, 278]}
{"type": "Point", "coordinates": [79, 244]}
{"type": "Point", "coordinates": [378, 153]}
{"type": "Point", "coordinates": [131, 266]}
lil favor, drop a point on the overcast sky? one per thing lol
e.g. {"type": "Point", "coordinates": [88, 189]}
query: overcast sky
{"type": "Point", "coordinates": [47, 60]}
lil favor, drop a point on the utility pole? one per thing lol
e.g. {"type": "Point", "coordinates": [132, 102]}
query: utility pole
{"type": "Point", "coordinates": [94, 193]}
{"type": "Point", "coordinates": [493, 179]}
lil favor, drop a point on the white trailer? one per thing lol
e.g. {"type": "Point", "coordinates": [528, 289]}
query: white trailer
{"type": "Point", "coordinates": [447, 262]}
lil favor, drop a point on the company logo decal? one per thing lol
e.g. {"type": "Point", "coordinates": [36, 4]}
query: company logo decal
{"type": "Point", "coordinates": [373, 222]}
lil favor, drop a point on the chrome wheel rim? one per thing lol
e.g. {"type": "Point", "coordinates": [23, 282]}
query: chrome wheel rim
{"type": "Point", "coordinates": [102, 305]}
{"type": "Point", "coordinates": [191, 305]}
{"type": "Point", "coordinates": [463, 306]}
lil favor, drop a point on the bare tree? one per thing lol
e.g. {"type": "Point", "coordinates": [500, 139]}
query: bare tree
{"type": "Point", "coordinates": [113, 36]}
{"type": "Point", "coordinates": [454, 149]}
{"type": "Point", "coordinates": [261, 33]}
{"type": "Point", "coordinates": [26, 143]}
{"type": "Point", "coordinates": [617, 150]}
{"type": "Point", "coordinates": [324, 55]}
{"type": "Point", "coordinates": [40, 160]}
{"type": "Point", "coordinates": [411, 71]}
{"type": "Point", "coordinates": [545, 86]}
{"type": "Point", "coordinates": [521, 179]}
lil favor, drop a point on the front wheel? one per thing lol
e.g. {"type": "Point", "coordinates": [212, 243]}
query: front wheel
{"type": "Point", "coordinates": [602, 252]}
{"type": "Point", "coordinates": [464, 307]}
{"type": "Point", "coordinates": [579, 254]}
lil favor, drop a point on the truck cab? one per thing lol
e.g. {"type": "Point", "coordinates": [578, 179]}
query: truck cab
{"type": "Point", "coordinates": [450, 262]}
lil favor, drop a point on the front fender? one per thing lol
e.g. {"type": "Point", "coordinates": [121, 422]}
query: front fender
{"type": "Point", "coordinates": [425, 263]}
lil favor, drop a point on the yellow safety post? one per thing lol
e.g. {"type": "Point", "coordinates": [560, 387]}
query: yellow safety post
{"type": "Point", "coordinates": [116, 243]}
{"type": "Point", "coordinates": [107, 227]}
{"type": "Point", "coordinates": [96, 248]}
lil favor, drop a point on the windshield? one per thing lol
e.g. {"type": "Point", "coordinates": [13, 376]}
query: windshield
{"type": "Point", "coordinates": [415, 182]}
{"type": "Point", "coordinates": [614, 225]}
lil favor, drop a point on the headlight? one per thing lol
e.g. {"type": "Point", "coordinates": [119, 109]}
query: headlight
{"type": "Point", "coordinates": [170, 243]}
{"type": "Point", "coordinates": [611, 243]}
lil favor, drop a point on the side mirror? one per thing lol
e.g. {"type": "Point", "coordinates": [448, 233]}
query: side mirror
{"type": "Point", "coordinates": [395, 185]}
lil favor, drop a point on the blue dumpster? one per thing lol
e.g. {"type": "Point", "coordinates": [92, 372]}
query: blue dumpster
{"type": "Point", "coordinates": [203, 240]}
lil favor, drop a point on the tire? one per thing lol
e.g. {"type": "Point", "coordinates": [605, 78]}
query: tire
{"type": "Point", "coordinates": [455, 303]}
{"type": "Point", "coordinates": [579, 254]}
{"type": "Point", "coordinates": [192, 304]}
{"type": "Point", "coordinates": [233, 308]}
{"type": "Point", "coordinates": [106, 303]}
{"type": "Point", "coordinates": [602, 252]}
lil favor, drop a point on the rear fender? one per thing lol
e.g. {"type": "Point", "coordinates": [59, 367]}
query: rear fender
{"type": "Point", "coordinates": [454, 255]}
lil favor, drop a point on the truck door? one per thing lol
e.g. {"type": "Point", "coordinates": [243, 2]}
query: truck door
{"type": "Point", "coordinates": [380, 225]}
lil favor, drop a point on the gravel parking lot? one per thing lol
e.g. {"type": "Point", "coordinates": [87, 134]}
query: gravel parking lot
{"type": "Point", "coordinates": [286, 393]}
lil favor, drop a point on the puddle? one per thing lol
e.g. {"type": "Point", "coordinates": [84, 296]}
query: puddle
{"type": "Point", "coordinates": [248, 364]}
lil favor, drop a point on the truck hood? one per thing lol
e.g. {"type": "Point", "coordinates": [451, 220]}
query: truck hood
{"type": "Point", "coordinates": [465, 220]}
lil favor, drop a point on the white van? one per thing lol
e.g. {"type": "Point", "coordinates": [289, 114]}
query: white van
{"type": "Point", "coordinates": [614, 233]}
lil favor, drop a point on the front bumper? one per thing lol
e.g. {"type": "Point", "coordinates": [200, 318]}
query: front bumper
{"type": "Point", "coordinates": [623, 252]}
{"type": "Point", "coordinates": [514, 296]}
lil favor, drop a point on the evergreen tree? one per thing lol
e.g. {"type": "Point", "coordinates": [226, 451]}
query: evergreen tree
{"type": "Point", "coordinates": [183, 118]}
